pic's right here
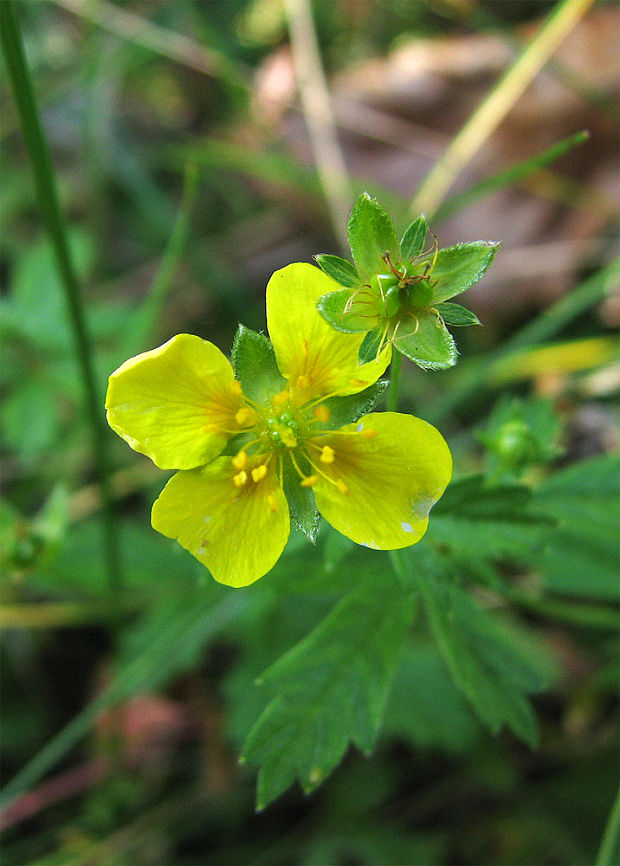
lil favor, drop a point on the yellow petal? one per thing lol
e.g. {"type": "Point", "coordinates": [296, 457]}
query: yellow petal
{"type": "Point", "coordinates": [385, 479]}
{"type": "Point", "coordinates": [175, 403]}
{"type": "Point", "coordinates": [237, 532]}
{"type": "Point", "coordinates": [316, 359]}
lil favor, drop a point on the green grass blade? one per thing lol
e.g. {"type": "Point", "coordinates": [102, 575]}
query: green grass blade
{"type": "Point", "coordinates": [511, 176]}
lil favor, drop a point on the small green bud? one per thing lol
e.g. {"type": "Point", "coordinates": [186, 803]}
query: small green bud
{"type": "Point", "coordinates": [421, 293]}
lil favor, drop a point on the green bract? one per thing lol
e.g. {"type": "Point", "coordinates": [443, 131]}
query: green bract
{"type": "Point", "coordinates": [396, 292]}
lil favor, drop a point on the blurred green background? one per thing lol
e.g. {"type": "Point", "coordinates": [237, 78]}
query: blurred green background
{"type": "Point", "coordinates": [187, 173]}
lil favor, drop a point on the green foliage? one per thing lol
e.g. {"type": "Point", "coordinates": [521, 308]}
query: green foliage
{"type": "Point", "coordinates": [371, 235]}
{"type": "Point", "coordinates": [396, 291]}
{"type": "Point", "coordinates": [329, 689]}
{"type": "Point", "coordinates": [482, 658]}
{"type": "Point", "coordinates": [254, 363]}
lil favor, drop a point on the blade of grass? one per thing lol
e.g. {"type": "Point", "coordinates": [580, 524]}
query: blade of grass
{"type": "Point", "coordinates": [548, 323]}
{"type": "Point", "coordinates": [509, 177]}
{"type": "Point", "coordinates": [609, 842]}
{"type": "Point", "coordinates": [43, 173]}
{"type": "Point", "coordinates": [496, 106]}
{"type": "Point", "coordinates": [152, 306]}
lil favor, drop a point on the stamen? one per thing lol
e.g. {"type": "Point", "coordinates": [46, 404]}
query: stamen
{"type": "Point", "coordinates": [322, 413]}
{"type": "Point", "coordinates": [342, 487]}
{"type": "Point", "coordinates": [235, 387]}
{"type": "Point", "coordinates": [339, 483]}
{"type": "Point", "coordinates": [273, 502]}
{"type": "Point", "coordinates": [328, 455]}
{"type": "Point", "coordinates": [281, 398]}
{"type": "Point", "coordinates": [240, 479]}
{"type": "Point", "coordinates": [243, 415]}
{"type": "Point", "coordinates": [259, 472]}
{"type": "Point", "coordinates": [240, 460]}
{"type": "Point", "coordinates": [303, 382]}
{"type": "Point", "coordinates": [310, 481]}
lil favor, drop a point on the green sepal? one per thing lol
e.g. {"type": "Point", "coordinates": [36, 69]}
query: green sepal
{"type": "Point", "coordinates": [302, 506]}
{"type": "Point", "coordinates": [332, 308]}
{"type": "Point", "coordinates": [369, 349]}
{"type": "Point", "coordinates": [371, 234]}
{"type": "Point", "coordinates": [346, 410]}
{"type": "Point", "coordinates": [338, 269]}
{"type": "Point", "coordinates": [457, 316]}
{"type": "Point", "coordinates": [460, 267]}
{"type": "Point", "coordinates": [255, 366]}
{"type": "Point", "coordinates": [412, 242]}
{"type": "Point", "coordinates": [425, 340]}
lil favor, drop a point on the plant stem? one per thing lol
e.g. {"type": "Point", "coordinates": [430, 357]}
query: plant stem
{"type": "Point", "coordinates": [609, 841]}
{"type": "Point", "coordinates": [38, 153]}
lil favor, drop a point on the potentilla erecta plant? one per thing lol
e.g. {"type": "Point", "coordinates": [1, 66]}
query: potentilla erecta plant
{"type": "Point", "coordinates": [283, 434]}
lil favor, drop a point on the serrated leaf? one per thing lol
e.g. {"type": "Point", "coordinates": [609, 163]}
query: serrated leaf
{"type": "Point", "coordinates": [329, 690]}
{"type": "Point", "coordinates": [412, 242]}
{"type": "Point", "coordinates": [457, 316]}
{"type": "Point", "coordinates": [302, 506]}
{"type": "Point", "coordinates": [371, 234]}
{"type": "Point", "coordinates": [346, 410]}
{"type": "Point", "coordinates": [460, 267]}
{"type": "Point", "coordinates": [338, 269]}
{"type": "Point", "coordinates": [255, 365]}
{"type": "Point", "coordinates": [581, 556]}
{"type": "Point", "coordinates": [424, 339]}
{"type": "Point", "coordinates": [497, 517]}
{"type": "Point", "coordinates": [337, 311]}
{"type": "Point", "coordinates": [425, 706]}
{"type": "Point", "coordinates": [483, 658]}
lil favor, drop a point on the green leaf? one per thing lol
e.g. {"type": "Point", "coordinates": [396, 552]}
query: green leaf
{"type": "Point", "coordinates": [457, 316]}
{"type": "Point", "coordinates": [496, 517]}
{"type": "Point", "coordinates": [424, 339]}
{"type": "Point", "coordinates": [485, 661]}
{"type": "Point", "coordinates": [371, 234]}
{"type": "Point", "coordinates": [425, 706]}
{"type": "Point", "coordinates": [369, 348]}
{"type": "Point", "coordinates": [338, 269]}
{"type": "Point", "coordinates": [300, 499]}
{"type": "Point", "coordinates": [412, 242]}
{"type": "Point", "coordinates": [460, 267]}
{"type": "Point", "coordinates": [581, 556]}
{"type": "Point", "coordinates": [255, 365]}
{"type": "Point", "coordinates": [329, 689]}
{"type": "Point", "coordinates": [349, 318]}
{"type": "Point", "coordinates": [346, 410]}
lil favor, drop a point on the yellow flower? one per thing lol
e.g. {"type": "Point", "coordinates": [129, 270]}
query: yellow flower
{"type": "Point", "coordinates": [245, 444]}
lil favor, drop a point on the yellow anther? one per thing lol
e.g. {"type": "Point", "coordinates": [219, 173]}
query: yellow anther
{"type": "Point", "coordinates": [328, 455]}
{"type": "Point", "coordinates": [368, 434]}
{"type": "Point", "coordinates": [322, 413]}
{"type": "Point", "coordinates": [342, 487]}
{"type": "Point", "coordinates": [259, 472]}
{"type": "Point", "coordinates": [235, 387]}
{"type": "Point", "coordinates": [310, 481]}
{"type": "Point", "coordinates": [212, 428]}
{"type": "Point", "coordinates": [243, 415]}
{"type": "Point", "coordinates": [361, 382]}
{"type": "Point", "coordinates": [240, 479]}
{"type": "Point", "coordinates": [240, 460]}
{"type": "Point", "coordinates": [303, 382]}
{"type": "Point", "coordinates": [272, 501]}
{"type": "Point", "coordinates": [281, 398]}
